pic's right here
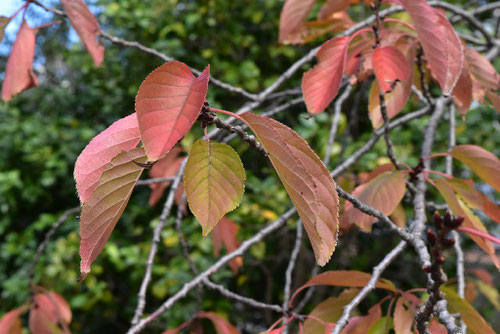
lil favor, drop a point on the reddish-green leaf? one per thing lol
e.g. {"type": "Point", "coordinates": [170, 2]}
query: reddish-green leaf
{"type": "Point", "coordinates": [442, 47]}
{"type": "Point", "coordinates": [86, 26]}
{"type": "Point", "coordinates": [390, 65]}
{"type": "Point", "coordinates": [122, 135]}
{"type": "Point", "coordinates": [165, 167]}
{"type": "Point", "coordinates": [10, 323]}
{"type": "Point", "coordinates": [482, 162]}
{"type": "Point", "coordinates": [329, 311]}
{"type": "Point", "coordinates": [222, 326]}
{"type": "Point", "coordinates": [321, 84]}
{"type": "Point", "coordinates": [107, 203]}
{"type": "Point", "coordinates": [469, 315]}
{"type": "Point", "coordinates": [382, 193]}
{"type": "Point", "coordinates": [226, 233]}
{"type": "Point", "coordinates": [348, 278]}
{"type": "Point", "coordinates": [458, 208]}
{"type": "Point", "coordinates": [292, 19]}
{"type": "Point", "coordinates": [395, 100]}
{"type": "Point", "coordinates": [361, 325]}
{"type": "Point", "coordinates": [306, 179]}
{"type": "Point", "coordinates": [4, 20]}
{"type": "Point", "coordinates": [332, 6]}
{"type": "Point", "coordinates": [19, 74]}
{"type": "Point", "coordinates": [462, 93]}
{"type": "Point", "coordinates": [403, 317]}
{"type": "Point", "coordinates": [214, 182]}
{"type": "Point", "coordinates": [382, 326]}
{"type": "Point", "coordinates": [167, 104]}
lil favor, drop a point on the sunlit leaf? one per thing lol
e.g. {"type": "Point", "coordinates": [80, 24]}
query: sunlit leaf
{"type": "Point", "coordinates": [107, 203]}
{"type": "Point", "coordinates": [4, 20]}
{"type": "Point", "coordinates": [383, 193]}
{"type": "Point", "coordinates": [482, 162]}
{"type": "Point", "coordinates": [167, 104]}
{"type": "Point", "coordinates": [306, 179]}
{"type": "Point", "coordinates": [19, 73]}
{"type": "Point", "coordinates": [382, 326]}
{"type": "Point", "coordinates": [122, 135]}
{"type": "Point", "coordinates": [213, 181]}
{"type": "Point", "coordinates": [86, 26]}
{"type": "Point", "coordinates": [226, 233]}
{"type": "Point", "coordinates": [469, 315]}
{"type": "Point", "coordinates": [390, 65]}
{"type": "Point", "coordinates": [293, 17]}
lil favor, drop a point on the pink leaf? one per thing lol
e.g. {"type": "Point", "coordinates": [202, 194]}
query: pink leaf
{"type": "Point", "coordinates": [10, 323]}
{"type": "Point", "coordinates": [403, 317]}
{"type": "Point", "coordinates": [482, 70]}
{"type": "Point", "coordinates": [389, 65]}
{"type": "Point", "coordinates": [86, 26]}
{"type": "Point", "coordinates": [462, 93]}
{"type": "Point", "coordinates": [165, 167]}
{"type": "Point", "coordinates": [167, 104]}
{"type": "Point", "coordinates": [122, 135]}
{"type": "Point", "coordinates": [382, 193]}
{"type": "Point", "coordinates": [48, 311]}
{"type": "Point", "coordinates": [482, 162]}
{"type": "Point", "coordinates": [321, 84]}
{"type": "Point", "coordinates": [293, 17]}
{"type": "Point", "coordinates": [442, 47]}
{"type": "Point", "coordinates": [306, 180]}
{"type": "Point", "coordinates": [332, 6]}
{"type": "Point", "coordinates": [107, 203]}
{"type": "Point", "coordinates": [226, 233]}
{"type": "Point", "coordinates": [19, 74]}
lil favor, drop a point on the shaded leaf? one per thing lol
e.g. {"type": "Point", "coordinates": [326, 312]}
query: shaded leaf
{"type": "Point", "coordinates": [436, 328]}
{"type": "Point", "coordinates": [395, 100]}
{"type": "Point", "coordinates": [403, 317]}
{"type": "Point", "coordinates": [483, 275]}
{"type": "Point", "coordinates": [48, 311]}
{"type": "Point", "coordinates": [390, 65]}
{"type": "Point", "coordinates": [122, 135]}
{"type": "Point", "coordinates": [482, 70]}
{"type": "Point", "coordinates": [165, 167]}
{"type": "Point", "coordinates": [361, 325]}
{"type": "Point", "coordinates": [490, 292]}
{"type": "Point", "coordinates": [311, 30]}
{"type": "Point", "coordinates": [347, 278]}
{"type": "Point", "coordinates": [470, 316]}
{"type": "Point", "coordinates": [306, 180]}
{"type": "Point", "coordinates": [382, 326]}
{"type": "Point", "coordinates": [226, 233]}
{"type": "Point", "coordinates": [383, 193]}
{"type": "Point", "coordinates": [442, 48]}
{"type": "Point", "coordinates": [458, 208]}
{"type": "Point", "coordinates": [482, 162]}
{"type": "Point", "coordinates": [321, 84]}
{"type": "Point", "coordinates": [332, 6]}
{"type": "Point", "coordinates": [86, 26]}
{"type": "Point", "coordinates": [214, 182]}
{"type": "Point", "coordinates": [10, 323]}
{"type": "Point", "coordinates": [19, 73]}
{"type": "Point", "coordinates": [106, 204]}
{"type": "Point", "coordinates": [222, 326]}
{"type": "Point", "coordinates": [4, 20]}
{"type": "Point", "coordinates": [292, 18]}
{"type": "Point", "coordinates": [462, 93]}
{"type": "Point", "coordinates": [329, 311]}
{"type": "Point", "coordinates": [398, 216]}
{"type": "Point", "coordinates": [167, 104]}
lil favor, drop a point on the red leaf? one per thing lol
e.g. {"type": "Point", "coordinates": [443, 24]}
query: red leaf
{"type": "Point", "coordinates": [167, 104]}
{"type": "Point", "coordinates": [389, 65]}
{"type": "Point", "coordinates": [86, 26]}
{"type": "Point", "coordinates": [19, 74]}
{"type": "Point", "coordinates": [347, 278]}
{"type": "Point", "coordinates": [321, 84]}
{"type": "Point", "coordinates": [482, 70]}
{"type": "Point", "coordinates": [107, 203]}
{"type": "Point", "coordinates": [293, 17]}
{"type": "Point", "coordinates": [462, 93]}
{"type": "Point", "coordinates": [222, 326]}
{"type": "Point", "coordinates": [122, 135]}
{"type": "Point", "coordinates": [165, 167]}
{"type": "Point", "coordinates": [332, 6]}
{"type": "Point", "coordinates": [482, 162]}
{"type": "Point", "coordinates": [436, 328]}
{"type": "Point", "coordinates": [226, 233]}
{"type": "Point", "coordinates": [10, 323]}
{"type": "Point", "coordinates": [306, 180]}
{"type": "Point", "coordinates": [442, 47]}
{"type": "Point", "coordinates": [382, 193]}
{"type": "Point", "coordinates": [48, 311]}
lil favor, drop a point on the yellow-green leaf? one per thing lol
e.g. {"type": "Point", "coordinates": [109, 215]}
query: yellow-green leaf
{"type": "Point", "coordinates": [214, 182]}
{"type": "Point", "coordinates": [107, 203]}
{"type": "Point", "coordinates": [306, 179]}
{"type": "Point", "coordinates": [470, 316]}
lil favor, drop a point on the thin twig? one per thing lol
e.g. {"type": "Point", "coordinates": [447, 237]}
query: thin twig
{"type": "Point", "coordinates": [335, 122]}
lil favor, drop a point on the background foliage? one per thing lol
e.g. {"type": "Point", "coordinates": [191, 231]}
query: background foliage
{"type": "Point", "coordinates": [43, 130]}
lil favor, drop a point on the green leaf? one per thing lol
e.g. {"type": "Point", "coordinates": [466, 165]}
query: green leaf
{"type": "Point", "coordinates": [470, 316]}
{"type": "Point", "coordinates": [214, 182]}
{"type": "Point", "coordinates": [382, 326]}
